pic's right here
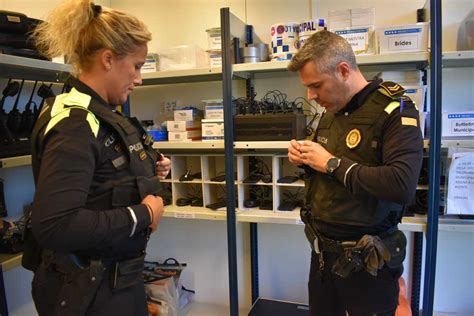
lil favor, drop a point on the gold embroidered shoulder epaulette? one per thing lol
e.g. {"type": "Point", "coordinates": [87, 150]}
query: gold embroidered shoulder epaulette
{"type": "Point", "coordinates": [391, 89]}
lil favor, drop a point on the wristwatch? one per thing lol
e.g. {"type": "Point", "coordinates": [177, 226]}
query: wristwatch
{"type": "Point", "coordinates": [332, 164]}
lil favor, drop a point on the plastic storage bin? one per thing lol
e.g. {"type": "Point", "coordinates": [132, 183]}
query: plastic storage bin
{"type": "Point", "coordinates": [182, 57]}
{"type": "Point", "coordinates": [403, 38]}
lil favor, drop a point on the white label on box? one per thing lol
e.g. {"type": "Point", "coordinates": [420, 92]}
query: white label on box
{"type": "Point", "coordinates": [358, 38]}
{"type": "Point", "coordinates": [460, 124]}
{"type": "Point", "coordinates": [403, 43]}
{"type": "Point", "coordinates": [403, 39]}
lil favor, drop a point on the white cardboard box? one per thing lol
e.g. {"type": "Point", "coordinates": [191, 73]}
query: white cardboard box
{"type": "Point", "coordinates": [183, 126]}
{"type": "Point", "coordinates": [186, 115]}
{"type": "Point", "coordinates": [361, 39]}
{"type": "Point", "coordinates": [184, 136]}
{"type": "Point", "coordinates": [212, 129]}
{"type": "Point", "coordinates": [417, 94]}
{"type": "Point", "coordinates": [214, 112]}
{"type": "Point", "coordinates": [458, 124]}
{"type": "Point", "coordinates": [403, 38]}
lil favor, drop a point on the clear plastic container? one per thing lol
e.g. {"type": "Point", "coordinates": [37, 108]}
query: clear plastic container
{"type": "Point", "coordinates": [182, 57]}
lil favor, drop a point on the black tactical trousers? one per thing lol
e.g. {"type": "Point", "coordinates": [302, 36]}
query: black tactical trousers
{"type": "Point", "coordinates": [48, 283]}
{"type": "Point", "coordinates": [360, 294]}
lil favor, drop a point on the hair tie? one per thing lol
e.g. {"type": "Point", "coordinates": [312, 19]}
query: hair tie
{"type": "Point", "coordinates": [97, 9]}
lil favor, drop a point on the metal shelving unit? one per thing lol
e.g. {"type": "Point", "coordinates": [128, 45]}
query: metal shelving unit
{"type": "Point", "coordinates": [32, 69]}
{"type": "Point", "coordinates": [401, 61]}
{"type": "Point", "coordinates": [458, 59]}
{"type": "Point", "coordinates": [182, 76]}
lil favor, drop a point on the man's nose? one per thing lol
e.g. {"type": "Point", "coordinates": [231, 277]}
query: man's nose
{"type": "Point", "coordinates": [311, 95]}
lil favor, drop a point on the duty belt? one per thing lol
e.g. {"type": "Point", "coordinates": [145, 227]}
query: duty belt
{"type": "Point", "coordinates": [320, 243]}
{"type": "Point", "coordinates": [330, 245]}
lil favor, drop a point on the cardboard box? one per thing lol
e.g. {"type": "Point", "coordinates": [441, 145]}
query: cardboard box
{"type": "Point", "coordinates": [403, 38]}
{"type": "Point", "coordinates": [360, 38]}
{"type": "Point", "coordinates": [212, 129]}
{"type": "Point", "coordinates": [183, 126]}
{"type": "Point", "coordinates": [187, 115]}
{"type": "Point", "coordinates": [184, 136]}
{"type": "Point", "coordinates": [151, 64]}
{"type": "Point", "coordinates": [215, 112]}
{"type": "Point", "coordinates": [458, 124]}
{"type": "Point", "coordinates": [417, 94]}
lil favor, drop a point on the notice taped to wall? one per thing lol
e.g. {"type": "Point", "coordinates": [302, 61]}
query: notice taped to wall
{"type": "Point", "coordinates": [461, 184]}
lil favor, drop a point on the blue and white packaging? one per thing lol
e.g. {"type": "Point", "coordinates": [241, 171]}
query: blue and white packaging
{"type": "Point", "coordinates": [458, 124]}
{"type": "Point", "coordinates": [284, 37]}
{"type": "Point", "coordinates": [403, 38]}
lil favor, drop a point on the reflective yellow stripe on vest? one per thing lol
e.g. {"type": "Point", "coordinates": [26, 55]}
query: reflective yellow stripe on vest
{"type": "Point", "coordinates": [392, 106]}
{"type": "Point", "coordinates": [74, 100]}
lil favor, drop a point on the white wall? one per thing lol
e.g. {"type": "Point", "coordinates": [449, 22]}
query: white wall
{"type": "Point", "coordinates": [283, 251]}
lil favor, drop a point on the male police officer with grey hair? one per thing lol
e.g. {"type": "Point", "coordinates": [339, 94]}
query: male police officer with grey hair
{"type": "Point", "coordinates": [362, 166]}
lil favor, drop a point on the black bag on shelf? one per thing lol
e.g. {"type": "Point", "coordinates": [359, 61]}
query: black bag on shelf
{"type": "Point", "coordinates": [15, 31]}
{"type": "Point", "coordinates": [13, 22]}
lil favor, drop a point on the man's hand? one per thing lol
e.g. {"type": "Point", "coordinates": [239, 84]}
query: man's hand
{"type": "Point", "coordinates": [314, 155]}
{"type": "Point", "coordinates": [155, 208]}
{"type": "Point", "coordinates": [294, 154]}
{"type": "Point", "coordinates": [163, 167]}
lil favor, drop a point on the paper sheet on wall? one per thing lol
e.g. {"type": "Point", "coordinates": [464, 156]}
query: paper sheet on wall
{"type": "Point", "coordinates": [461, 184]}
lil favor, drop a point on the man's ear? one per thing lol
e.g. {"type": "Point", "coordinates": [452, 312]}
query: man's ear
{"type": "Point", "coordinates": [106, 59]}
{"type": "Point", "coordinates": [343, 70]}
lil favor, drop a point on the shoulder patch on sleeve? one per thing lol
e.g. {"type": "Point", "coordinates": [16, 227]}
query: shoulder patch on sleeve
{"type": "Point", "coordinates": [409, 121]}
{"type": "Point", "coordinates": [391, 89]}
{"type": "Point", "coordinates": [63, 105]}
{"type": "Point", "coordinates": [391, 107]}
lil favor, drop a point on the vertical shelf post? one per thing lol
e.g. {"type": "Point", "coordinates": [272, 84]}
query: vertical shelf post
{"type": "Point", "coordinates": [435, 156]}
{"type": "Point", "coordinates": [229, 158]}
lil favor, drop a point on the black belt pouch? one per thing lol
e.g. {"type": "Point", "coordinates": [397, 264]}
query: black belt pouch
{"type": "Point", "coordinates": [396, 244]}
{"type": "Point", "coordinates": [127, 273]}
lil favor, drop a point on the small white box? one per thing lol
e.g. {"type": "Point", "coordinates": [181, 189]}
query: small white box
{"type": "Point", "coordinates": [184, 136]}
{"type": "Point", "coordinates": [458, 124]}
{"type": "Point", "coordinates": [417, 94]}
{"type": "Point", "coordinates": [214, 112]}
{"type": "Point", "coordinates": [183, 126]}
{"type": "Point", "coordinates": [215, 58]}
{"type": "Point", "coordinates": [361, 39]}
{"type": "Point", "coordinates": [151, 64]}
{"type": "Point", "coordinates": [214, 38]}
{"type": "Point", "coordinates": [186, 115]}
{"type": "Point", "coordinates": [212, 129]}
{"type": "Point", "coordinates": [403, 38]}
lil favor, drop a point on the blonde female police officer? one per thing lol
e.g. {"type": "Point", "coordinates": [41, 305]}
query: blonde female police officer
{"type": "Point", "coordinates": [97, 177]}
{"type": "Point", "coordinates": [362, 166]}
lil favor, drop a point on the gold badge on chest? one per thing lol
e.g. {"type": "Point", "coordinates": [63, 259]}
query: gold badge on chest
{"type": "Point", "coordinates": [353, 138]}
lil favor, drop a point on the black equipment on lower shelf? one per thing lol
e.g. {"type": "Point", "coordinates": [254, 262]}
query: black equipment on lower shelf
{"type": "Point", "coordinates": [269, 126]}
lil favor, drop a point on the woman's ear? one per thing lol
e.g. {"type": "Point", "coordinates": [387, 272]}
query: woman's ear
{"type": "Point", "coordinates": [106, 58]}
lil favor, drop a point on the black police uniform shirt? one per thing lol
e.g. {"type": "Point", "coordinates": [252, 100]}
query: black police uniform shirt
{"type": "Point", "coordinates": [73, 162]}
{"type": "Point", "coordinates": [402, 149]}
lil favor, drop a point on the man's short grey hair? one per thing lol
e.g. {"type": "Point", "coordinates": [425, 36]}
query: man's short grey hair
{"type": "Point", "coordinates": [327, 50]}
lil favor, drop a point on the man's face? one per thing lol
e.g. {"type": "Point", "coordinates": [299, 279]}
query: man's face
{"type": "Point", "coordinates": [328, 90]}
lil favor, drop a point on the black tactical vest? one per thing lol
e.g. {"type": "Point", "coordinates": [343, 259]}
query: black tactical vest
{"type": "Point", "coordinates": [356, 136]}
{"type": "Point", "coordinates": [141, 179]}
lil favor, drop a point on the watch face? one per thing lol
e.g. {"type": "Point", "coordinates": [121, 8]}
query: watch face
{"type": "Point", "coordinates": [332, 164]}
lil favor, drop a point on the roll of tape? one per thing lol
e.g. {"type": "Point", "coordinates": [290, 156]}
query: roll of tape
{"type": "Point", "coordinates": [287, 30]}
